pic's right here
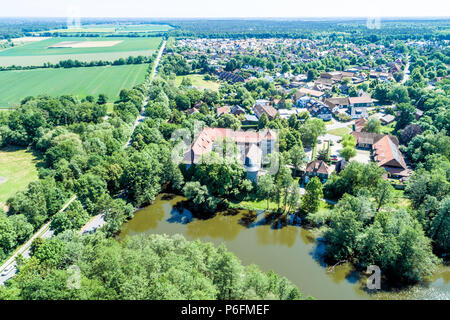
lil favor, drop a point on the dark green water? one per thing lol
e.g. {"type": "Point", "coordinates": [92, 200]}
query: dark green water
{"type": "Point", "coordinates": [290, 251]}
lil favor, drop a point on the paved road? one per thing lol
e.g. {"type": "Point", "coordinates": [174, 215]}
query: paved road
{"type": "Point", "coordinates": [8, 269]}
{"type": "Point", "coordinates": [95, 223]}
{"type": "Point", "coordinates": [141, 116]}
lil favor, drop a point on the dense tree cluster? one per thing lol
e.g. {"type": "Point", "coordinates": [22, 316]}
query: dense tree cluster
{"type": "Point", "coordinates": [153, 267]}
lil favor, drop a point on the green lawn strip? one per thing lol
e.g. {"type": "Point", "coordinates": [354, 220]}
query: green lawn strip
{"type": "Point", "coordinates": [339, 131]}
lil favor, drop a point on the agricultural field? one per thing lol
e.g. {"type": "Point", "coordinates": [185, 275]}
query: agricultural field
{"type": "Point", "coordinates": [16, 85]}
{"type": "Point", "coordinates": [198, 82]}
{"type": "Point", "coordinates": [77, 48]}
{"type": "Point", "coordinates": [17, 170]}
{"type": "Point", "coordinates": [115, 28]}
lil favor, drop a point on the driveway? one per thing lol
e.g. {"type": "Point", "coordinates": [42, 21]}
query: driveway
{"type": "Point", "coordinates": [362, 156]}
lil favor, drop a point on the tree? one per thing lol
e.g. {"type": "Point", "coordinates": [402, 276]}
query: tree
{"type": "Point", "coordinates": [311, 75]}
{"type": "Point", "coordinates": [266, 187]}
{"type": "Point", "coordinates": [102, 99]}
{"type": "Point", "coordinates": [186, 82]}
{"type": "Point", "coordinates": [311, 200]}
{"type": "Point", "coordinates": [200, 197]}
{"type": "Point", "coordinates": [405, 115]}
{"type": "Point", "coordinates": [323, 155]}
{"type": "Point", "coordinates": [183, 102]}
{"type": "Point", "coordinates": [384, 194]}
{"type": "Point", "coordinates": [373, 125]}
{"type": "Point", "coordinates": [348, 152]}
{"type": "Point", "coordinates": [311, 130]}
{"type": "Point", "coordinates": [263, 121]}
{"type": "Point", "coordinates": [398, 94]}
{"type": "Point", "coordinates": [297, 156]}
{"type": "Point", "coordinates": [440, 226]}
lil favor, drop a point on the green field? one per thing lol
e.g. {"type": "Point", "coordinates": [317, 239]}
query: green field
{"type": "Point", "coordinates": [37, 53]}
{"type": "Point", "coordinates": [199, 82]}
{"type": "Point", "coordinates": [16, 85]}
{"type": "Point", "coordinates": [339, 132]}
{"type": "Point", "coordinates": [18, 167]}
{"type": "Point", "coordinates": [116, 28]}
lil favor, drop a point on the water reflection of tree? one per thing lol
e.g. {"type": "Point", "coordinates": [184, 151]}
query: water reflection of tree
{"type": "Point", "coordinates": [268, 236]}
{"type": "Point", "coordinates": [221, 226]}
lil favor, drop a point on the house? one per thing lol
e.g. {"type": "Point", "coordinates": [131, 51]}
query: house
{"type": "Point", "coordinates": [222, 110]}
{"type": "Point", "coordinates": [247, 143]}
{"type": "Point", "coordinates": [312, 93]}
{"type": "Point", "coordinates": [249, 119]}
{"type": "Point", "coordinates": [387, 155]}
{"type": "Point", "coordinates": [364, 100]}
{"type": "Point", "coordinates": [317, 168]}
{"type": "Point", "coordinates": [387, 119]}
{"type": "Point", "coordinates": [418, 114]}
{"type": "Point", "coordinates": [237, 110]}
{"type": "Point", "coordinates": [358, 112]}
{"type": "Point", "coordinates": [303, 101]}
{"type": "Point", "coordinates": [340, 102]}
{"type": "Point", "coordinates": [385, 152]}
{"type": "Point", "coordinates": [192, 111]}
{"type": "Point", "coordinates": [321, 111]}
{"type": "Point", "coordinates": [366, 140]}
{"type": "Point", "coordinates": [270, 111]}
{"type": "Point", "coordinates": [359, 124]}
{"type": "Point", "coordinates": [230, 76]}
{"type": "Point", "coordinates": [287, 113]}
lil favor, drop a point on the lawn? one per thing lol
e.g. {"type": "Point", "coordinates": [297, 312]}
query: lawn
{"type": "Point", "coordinates": [16, 85]}
{"type": "Point", "coordinates": [199, 82]}
{"type": "Point", "coordinates": [37, 53]}
{"type": "Point", "coordinates": [18, 168]}
{"type": "Point", "coordinates": [339, 131]}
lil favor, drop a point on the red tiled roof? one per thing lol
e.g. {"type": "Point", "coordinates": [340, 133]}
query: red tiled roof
{"type": "Point", "coordinates": [270, 111]}
{"type": "Point", "coordinates": [386, 153]}
{"type": "Point", "coordinates": [203, 144]}
{"type": "Point", "coordinates": [318, 166]}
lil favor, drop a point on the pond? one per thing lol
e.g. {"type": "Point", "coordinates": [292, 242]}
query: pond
{"type": "Point", "coordinates": [289, 250]}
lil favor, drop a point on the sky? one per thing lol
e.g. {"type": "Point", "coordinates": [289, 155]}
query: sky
{"type": "Point", "coordinates": [225, 8]}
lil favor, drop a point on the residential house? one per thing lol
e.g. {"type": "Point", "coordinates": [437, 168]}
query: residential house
{"type": "Point", "coordinates": [222, 110]}
{"type": "Point", "coordinates": [270, 111]}
{"type": "Point", "coordinates": [230, 76]}
{"type": "Point", "coordinates": [388, 156]}
{"type": "Point", "coordinates": [387, 119]}
{"type": "Point", "coordinates": [249, 119]}
{"type": "Point", "coordinates": [317, 168]}
{"type": "Point", "coordinates": [364, 100]}
{"type": "Point", "coordinates": [366, 140]}
{"type": "Point", "coordinates": [237, 110]}
{"type": "Point", "coordinates": [359, 124]}
{"type": "Point", "coordinates": [312, 93]}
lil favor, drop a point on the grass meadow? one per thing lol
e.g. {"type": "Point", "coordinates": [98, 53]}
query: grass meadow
{"type": "Point", "coordinates": [199, 82]}
{"type": "Point", "coordinates": [37, 53]}
{"type": "Point", "coordinates": [16, 85]}
{"type": "Point", "coordinates": [18, 168]}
